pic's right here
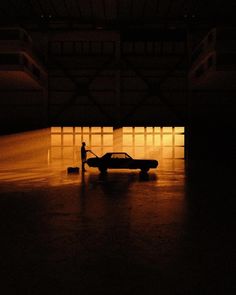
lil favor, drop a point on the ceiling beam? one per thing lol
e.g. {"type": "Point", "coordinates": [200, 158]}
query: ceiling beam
{"type": "Point", "coordinates": [54, 10]}
{"type": "Point", "coordinates": [34, 12]}
{"type": "Point", "coordinates": [91, 9]}
{"type": "Point", "coordinates": [157, 9]}
{"type": "Point", "coordinates": [144, 8]}
{"type": "Point", "coordinates": [117, 9]}
{"type": "Point", "coordinates": [155, 90]}
{"type": "Point", "coordinates": [104, 9]}
{"type": "Point", "coordinates": [67, 8]}
{"type": "Point", "coordinates": [169, 8]}
{"type": "Point", "coordinates": [131, 8]}
{"type": "Point", "coordinates": [85, 89]}
{"type": "Point", "coordinates": [78, 8]}
{"type": "Point", "coordinates": [40, 6]}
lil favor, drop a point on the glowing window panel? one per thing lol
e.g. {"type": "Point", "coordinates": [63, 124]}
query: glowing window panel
{"type": "Point", "coordinates": [107, 129]}
{"type": "Point", "coordinates": [118, 156]}
{"type": "Point", "coordinates": [167, 140]}
{"type": "Point", "coordinates": [179, 139]}
{"type": "Point", "coordinates": [179, 129]}
{"type": "Point", "coordinates": [78, 139]}
{"type": "Point", "coordinates": [78, 129]}
{"type": "Point", "coordinates": [127, 129]}
{"type": "Point", "coordinates": [149, 139]}
{"type": "Point", "coordinates": [157, 129]}
{"type": "Point", "coordinates": [107, 149]}
{"type": "Point", "coordinates": [139, 139]}
{"type": "Point", "coordinates": [85, 138]}
{"type": "Point", "coordinates": [56, 129]}
{"type": "Point", "coordinates": [68, 152]}
{"type": "Point", "coordinates": [139, 129]}
{"type": "Point", "coordinates": [97, 151]}
{"type": "Point", "coordinates": [167, 129]}
{"type": "Point", "coordinates": [149, 129]}
{"type": "Point", "coordinates": [127, 140]}
{"type": "Point", "coordinates": [96, 129]}
{"type": "Point", "coordinates": [96, 140]}
{"type": "Point", "coordinates": [55, 139]}
{"type": "Point", "coordinates": [55, 152]}
{"type": "Point", "coordinates": [108, 139]}
{"type": "Point", "coordinates": [129, 151]}
{"type": "Point", "coordinates": [67, 129]}
{"type": "Point", "coordinates": [167, 152]}
{"type": "Point", "coordinates": [86, 129]}
{"type": "Point", "coordinates": [157, 140]}
{"type": "Point", "coordinates": [68, 140]}
{"type": "Point", "coordinates": [139, 152]}
{"type": "Point", "coordinates": [179, 152]}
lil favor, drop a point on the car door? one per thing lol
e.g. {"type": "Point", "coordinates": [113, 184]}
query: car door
{"type": "Point", "coordinates": [119, 160]}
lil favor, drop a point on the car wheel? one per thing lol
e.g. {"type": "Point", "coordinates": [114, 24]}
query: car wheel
{"type": "Point", "coordinates": [102, 169]}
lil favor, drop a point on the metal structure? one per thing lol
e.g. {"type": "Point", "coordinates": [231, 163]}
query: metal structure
{"type": "Point", "coordinates": [117, 80]}
{"type": "Point", "coordinates": [119, 63]}
{"type": "Point", "coordinates": [117, 12]}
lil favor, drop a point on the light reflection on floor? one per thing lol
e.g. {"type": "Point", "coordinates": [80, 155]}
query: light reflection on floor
{"type": "Point", "coordinates": [26, 175]}
{"type": "Point", "coordinates": [118, 233]}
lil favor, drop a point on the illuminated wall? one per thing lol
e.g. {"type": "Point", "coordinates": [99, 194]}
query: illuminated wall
{"type": "Point", "coordinates": [164, 142]}
{"type": "Point", "coordinates": [66, 141]}
{"type": "Point", "coordinates": [156, 142]}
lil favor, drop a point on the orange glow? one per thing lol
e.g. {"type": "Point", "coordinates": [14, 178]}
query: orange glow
{"type": "Point", "coordinates": [96, 140]}
{"type": "Point", "coordinates": [67, 129]}
{"type": "Point", "coordinates": [56, 129]}
{"type": "Point", "coordinates": [41, 157]}
{"type": "Point", "coordinates": [179, 129]}
{"type": "Point", "coordinates": [140, 142]}
{"type": "Point", "coordinates": [127, 140]}
{"type": "Point", "coordinates": [96, 129]}
{"type": "Point", "coordinates": [167, 140]}
{"type": "Point", "coordinates": [167, 129]}
{"type": "Point", "coordinates": [68, 140]}
{"type": "Point", "coordinates": [139, 129]}
{"type": "Point", "coordinates": [27, 147]}
{"type": "Point", "coordinates": [107, 129]}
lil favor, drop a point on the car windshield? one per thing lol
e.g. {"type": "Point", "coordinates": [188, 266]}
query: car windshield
{"type": "Point", "coordinates": [119, 156]}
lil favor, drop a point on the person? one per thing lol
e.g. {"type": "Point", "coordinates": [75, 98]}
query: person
{"type": "Point", "coordinates": [83, 155]}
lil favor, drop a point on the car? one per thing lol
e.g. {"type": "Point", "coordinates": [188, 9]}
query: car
{"type": "Point", "coordinates": [116, 160]}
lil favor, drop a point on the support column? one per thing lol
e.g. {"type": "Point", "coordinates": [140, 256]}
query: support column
{"type": "Point", "coordinates": [118, 81]}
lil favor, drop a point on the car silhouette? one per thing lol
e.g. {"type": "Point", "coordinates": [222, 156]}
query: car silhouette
{"type": "Point", "coordinates": [121, 161]}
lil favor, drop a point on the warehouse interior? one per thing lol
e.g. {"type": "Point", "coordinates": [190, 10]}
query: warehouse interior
{"type": "Point", "coordinates": [153, 78]}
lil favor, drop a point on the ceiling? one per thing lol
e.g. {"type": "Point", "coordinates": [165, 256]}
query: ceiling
{"type": "Point", "coordinates": [113, 12]}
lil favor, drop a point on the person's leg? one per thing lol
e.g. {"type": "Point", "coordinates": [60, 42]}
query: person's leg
{"type": "Point", "coordinates": [83, 163]}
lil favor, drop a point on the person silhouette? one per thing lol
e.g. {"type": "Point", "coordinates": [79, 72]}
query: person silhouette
{"type": "Point", "coordinates": [83, 155]}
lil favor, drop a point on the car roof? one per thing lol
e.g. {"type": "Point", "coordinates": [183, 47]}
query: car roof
{"type": "Point", "coordinates": [114, 153]}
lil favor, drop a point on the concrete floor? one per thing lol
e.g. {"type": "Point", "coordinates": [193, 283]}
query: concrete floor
{"type": "Point", "coordinates": [169, 233]}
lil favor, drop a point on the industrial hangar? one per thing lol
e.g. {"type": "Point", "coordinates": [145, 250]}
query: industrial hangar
{"type": "Point", "coordinates": [152, 78]}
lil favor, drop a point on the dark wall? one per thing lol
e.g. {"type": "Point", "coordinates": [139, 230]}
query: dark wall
{"type": "Point", "coordinates": [106, 78]}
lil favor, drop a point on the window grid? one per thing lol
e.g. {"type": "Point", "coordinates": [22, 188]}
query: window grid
{"type": "Point", "coordinates": [149, 142]}
{"type": "Point", "coordinates": [79, 134]}
{"type": "Point", "coordinates": [161, 131]}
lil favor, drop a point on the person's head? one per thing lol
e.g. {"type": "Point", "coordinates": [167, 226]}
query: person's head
{"type": "Point", "coordinates": [83, 143]}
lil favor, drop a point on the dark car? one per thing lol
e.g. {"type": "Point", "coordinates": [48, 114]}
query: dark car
{"type": "Point", "coordinates": [121, 160]}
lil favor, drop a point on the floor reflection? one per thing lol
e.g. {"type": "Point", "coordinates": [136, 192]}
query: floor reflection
{"type": "Point", "coordinates": [118, 229]}
{"type": "Point", "coordinates": [116, 233]}
{"type": "Point", "coordinates": [39, 175]}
